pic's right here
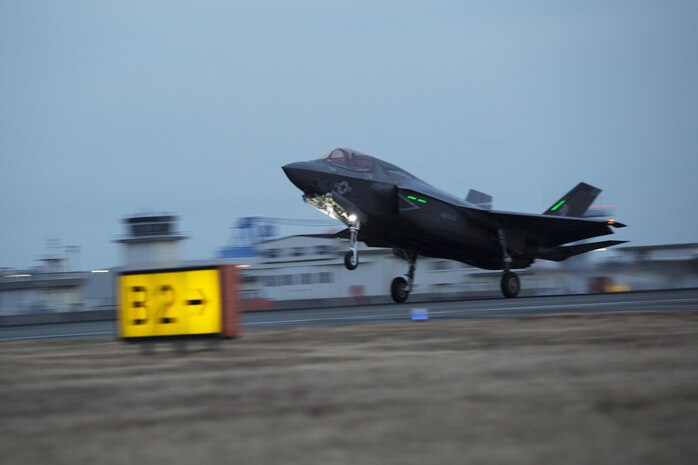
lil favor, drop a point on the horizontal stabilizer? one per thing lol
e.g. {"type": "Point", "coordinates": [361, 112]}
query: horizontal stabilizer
{"type": "Point", "coordinates": [559, 254]}
{"type": "Point", "coordinates": [479, 199]}
{"type": "Point", "coordinates": [575, 203]}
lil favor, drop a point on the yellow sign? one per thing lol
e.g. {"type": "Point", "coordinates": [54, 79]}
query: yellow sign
{"type": "Point", "coordinates": [171, 303]}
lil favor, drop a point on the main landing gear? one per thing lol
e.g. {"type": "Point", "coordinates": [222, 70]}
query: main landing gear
{"type": "Point", "coordinates": [351, 258]}
{"type": "Point", "coordinates": [400, 288]}
{"type": "Point", "coordinates": [510, 283]}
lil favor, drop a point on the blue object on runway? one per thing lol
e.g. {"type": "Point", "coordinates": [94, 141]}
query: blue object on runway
{"type": "Point", "coordinates": [420, 314]}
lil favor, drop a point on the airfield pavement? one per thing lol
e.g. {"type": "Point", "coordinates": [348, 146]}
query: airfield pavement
{"type": "Point", "coordinates": [577, 389]}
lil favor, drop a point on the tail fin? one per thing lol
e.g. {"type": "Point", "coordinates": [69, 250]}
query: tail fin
{"type": "Point", "coordinates": [480, 199]}
{"type": "Point", "coordinates": [575, 203]}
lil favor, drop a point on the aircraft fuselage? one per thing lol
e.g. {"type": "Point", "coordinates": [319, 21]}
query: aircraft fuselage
{"type": "Point", "coordinates": [428, 222]}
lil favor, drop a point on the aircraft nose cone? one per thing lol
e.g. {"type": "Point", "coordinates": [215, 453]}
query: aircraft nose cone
{"type": "Point", "coordinates": [291, 169]}
{"type": "Point", "coordinates": [298, 174]}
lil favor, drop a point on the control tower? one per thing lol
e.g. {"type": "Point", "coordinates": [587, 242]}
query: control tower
{"type": "Point", "coordinates": [152, 241]}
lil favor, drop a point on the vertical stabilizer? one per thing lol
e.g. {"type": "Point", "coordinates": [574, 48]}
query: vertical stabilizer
{"type": "Point", "coordinates": [575, 203]}
{"type": "Point", "coordinates": [479, 199]}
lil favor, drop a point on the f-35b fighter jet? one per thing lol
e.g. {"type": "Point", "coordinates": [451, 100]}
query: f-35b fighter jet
{"type": "Point", "coordinates": [383, 205]}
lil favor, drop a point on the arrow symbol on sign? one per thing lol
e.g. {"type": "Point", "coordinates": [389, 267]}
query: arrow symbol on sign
{"type": "Point", "coordinates": [202, 301]}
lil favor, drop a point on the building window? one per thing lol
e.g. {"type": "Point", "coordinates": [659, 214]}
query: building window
{"type": "Point", "coordinates": [325, 277]}
{"type": "Point", "coordinates": [324, 249]}
{"type": "Point", "coordinates": [307, 278]}
{"type": "Point", "coordinates": [272, 253]}
{"type": "Point", "coordinates": [297, 252]}
{"type": "Point", "coordinates": [440, 265]}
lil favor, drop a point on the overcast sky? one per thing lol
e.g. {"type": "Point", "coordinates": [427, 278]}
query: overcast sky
{"type": "Point", "coordinates": [119, 107]}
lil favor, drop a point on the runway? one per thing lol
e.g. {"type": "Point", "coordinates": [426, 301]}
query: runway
{"type": "Point", "coordinates": [656, 301]}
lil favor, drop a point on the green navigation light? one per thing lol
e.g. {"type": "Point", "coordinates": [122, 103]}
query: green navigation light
{"type": "Point", "coordinates": [558, 205]}
{"type": "Point", "coordinates": [412, 197]}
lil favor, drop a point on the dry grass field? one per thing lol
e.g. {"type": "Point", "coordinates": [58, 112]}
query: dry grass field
{"type": "Point", "coordinates": [597, 389]}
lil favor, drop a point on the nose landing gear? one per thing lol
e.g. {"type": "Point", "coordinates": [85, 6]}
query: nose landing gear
{"type": "Point", "coordinates": [351, 258]}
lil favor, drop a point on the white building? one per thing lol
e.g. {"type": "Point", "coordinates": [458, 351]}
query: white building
{"type": "Point", "coordinates": [308, 270]}
{"type": "Point", "coordinates": [293, 271]}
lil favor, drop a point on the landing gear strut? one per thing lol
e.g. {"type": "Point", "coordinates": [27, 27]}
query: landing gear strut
{"type": "Point", "coordinates": [510, 283]}
{"type": "Point", "coordinates": [400, 288]}
{"type": "Point", "coordinates": [351, 258]}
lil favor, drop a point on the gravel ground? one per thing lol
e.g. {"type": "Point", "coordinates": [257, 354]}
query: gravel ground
{"type": "Point", "coordinates": [596, 389]}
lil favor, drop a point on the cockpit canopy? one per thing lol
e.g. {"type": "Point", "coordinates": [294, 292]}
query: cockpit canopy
{"type": "Point", "coordinates": [356, 161]}
{"type": "Point", "coordinates": [351, 159]}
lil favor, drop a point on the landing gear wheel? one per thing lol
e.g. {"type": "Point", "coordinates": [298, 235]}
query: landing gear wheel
{"type": "Point", "coordinates": [351, 260]}
{"type": "Point", "coordinates": [510, 284]}
{"type": "Point", "coordinates": [398, 290]}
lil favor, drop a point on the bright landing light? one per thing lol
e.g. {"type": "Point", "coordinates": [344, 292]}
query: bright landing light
{"type": "Point", "coordinates": [352, 217]}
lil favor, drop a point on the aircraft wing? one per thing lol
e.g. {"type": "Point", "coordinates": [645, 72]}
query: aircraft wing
{"type": "Point", "coordinates": [546, 230]}
{"type": "Point", "coordinates": [543, 230]}
{"type": "Point", "coordinates": [346, 234]}
{"type": "Point", "coordinates": [341, 234]}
